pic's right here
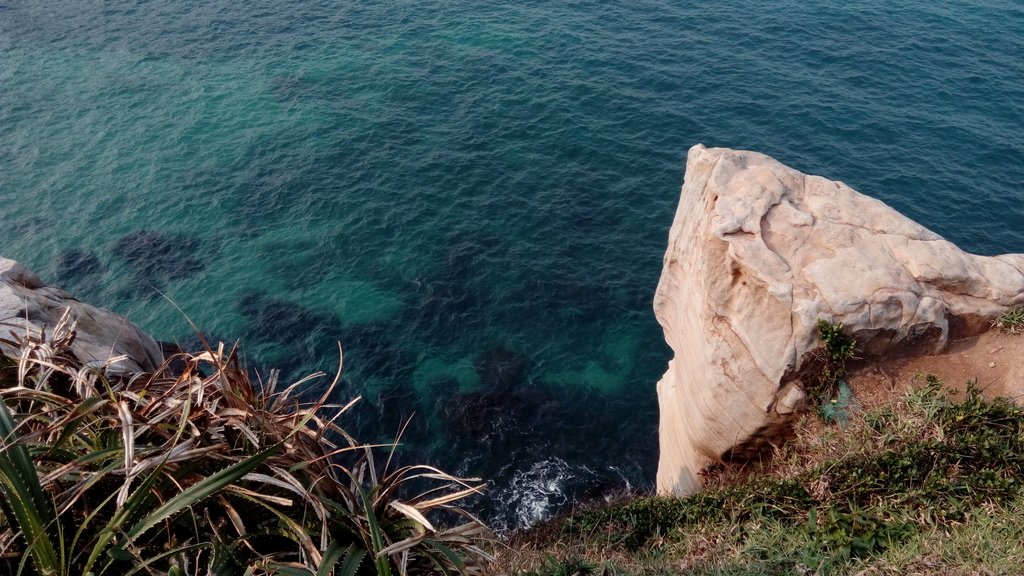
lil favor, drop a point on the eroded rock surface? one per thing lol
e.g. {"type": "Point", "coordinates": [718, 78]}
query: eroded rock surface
{"type": "Point", "coordinates": [757, 253]}
{"type": "Point", "coordinates": [27, 303]}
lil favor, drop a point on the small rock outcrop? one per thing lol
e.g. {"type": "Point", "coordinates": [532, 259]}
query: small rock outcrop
{"type": "Point", "coordinates": [757, 253]}
{"type": "Point", "coordinates": [27, 304]}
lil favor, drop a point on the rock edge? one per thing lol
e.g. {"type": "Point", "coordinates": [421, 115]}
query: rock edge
{"type": "Point", "coordinates": [27, 304]}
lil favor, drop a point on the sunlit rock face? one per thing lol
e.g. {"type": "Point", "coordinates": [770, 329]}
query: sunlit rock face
{"type": "Point", "coordinates": [757, 253]}
{"type": "Point", "coordinates": [27, 304]}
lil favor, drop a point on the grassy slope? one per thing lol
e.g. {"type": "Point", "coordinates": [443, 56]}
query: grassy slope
{"type": "Point", "coordinates": [932, 484]}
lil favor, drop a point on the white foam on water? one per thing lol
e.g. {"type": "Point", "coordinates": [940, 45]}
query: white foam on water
{"type": "Point", "coordinates": [538, 491]}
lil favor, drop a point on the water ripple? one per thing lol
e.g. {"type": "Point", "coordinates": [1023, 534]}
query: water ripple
{"type": "Point", "coordinates": [473, 196]}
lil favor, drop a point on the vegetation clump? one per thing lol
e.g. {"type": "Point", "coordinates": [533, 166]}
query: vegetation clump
{"type": "Point", "coordinates": [837, 349]}
{"type": "Point", "coordinates": [1011, 321]}
{"type": "Point", "coordinates": [835, 398]}
{"type": "Point", "coordinates": [201, 472]}
{"type": "Point", "coordinates": [933, 478]}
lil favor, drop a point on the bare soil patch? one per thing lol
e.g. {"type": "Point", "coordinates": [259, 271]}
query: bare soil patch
{"type": "Point", "coordinates": [995, 360]}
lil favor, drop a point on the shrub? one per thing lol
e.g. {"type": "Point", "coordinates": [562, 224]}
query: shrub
{"type": "Point", "coordinates": [201, 472]}
{"type": "Point", "coordinates": [838, 348]}
{"type": "Point", "coordinates": [1011, 321]}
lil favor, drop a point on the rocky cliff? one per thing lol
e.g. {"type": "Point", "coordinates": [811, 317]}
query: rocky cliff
{"type": "Point", "coordinates": [757, 253]}
{"type": "Point", "coordinates": [29, 305]}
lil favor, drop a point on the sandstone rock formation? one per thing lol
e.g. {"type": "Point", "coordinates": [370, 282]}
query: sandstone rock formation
{"type": "Point", "coordinates": [758, 252]}
{"type": "Point", "coordinates": [26, 303]}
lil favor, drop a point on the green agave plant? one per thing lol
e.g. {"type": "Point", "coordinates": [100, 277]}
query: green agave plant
{"type": "Point", "coordinates": [200, 472]}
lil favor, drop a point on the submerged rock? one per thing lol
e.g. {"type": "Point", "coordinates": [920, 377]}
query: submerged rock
{"type": "Point", "coordinates": [26, 303]}
{"type": "Point", "coordinates": [505, 406]}
{"type": "Point", "coordinates": [76, 264]}
{"type": "Point", "coordinates": [501, 369]}
{"type": "Point", "coordinates": [158, 258]}
{"type": "Point", "coordinates": [758, 253]}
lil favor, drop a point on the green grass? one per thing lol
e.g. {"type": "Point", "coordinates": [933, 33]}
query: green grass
{"type": "Point", "coordinates": [933, 484]}
{"type": "Point", "coordinates": [1011, 321]}
{"type": "Point", "coordinates": [204, 473]}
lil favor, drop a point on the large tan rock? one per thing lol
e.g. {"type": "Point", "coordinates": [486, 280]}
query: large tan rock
{"type": "Point", "coordinates": [758, 252]}
{"type": "Point", "coordinates": [26, 303]}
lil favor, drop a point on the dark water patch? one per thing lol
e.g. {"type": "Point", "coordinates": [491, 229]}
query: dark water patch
{"type": "Point", "coordinates": [209, 184]}
{"type": "Point", "coordinates": [260, 187]}
{"type": "Point", "coordinates": [76, 264]}
{"type": "Point", "coordinates": [449, 301]}
{"type": "Point", "coordinates": [296, 88]}
{"type": "Point", "coordinates": [596, 417]}
{"type": "Point", "coordinates": [375, 350]}
{"type": "Point", "coordinates": [497, 422]}
{"type": "Point", "coordinates": [505, 410]}
{"type": "Point", "coordinates": [268, 195]}
{"type": "Point", "coordinates": [36, 229]}
{"type": "Point", "coordinates": [199, 342]}
{"type": "Point", "coordinates": [508, 417]}
{"type": "Point", "coordinates": [554, 447]}
{"type": "Point", "coordinates": [158, 258]}
{"type": "Point", "coordinates": [502, 370]}
{"type": "Point", "coordinates": [394, 408]}
{"type": "Point", "coordinates": [289, 338]}
{"type": "Point", "coordinates": [289, 87]}
{"type": "Point", "coordinates": [308, 337]}
{"type": "Point", "coordinates": [440, 306]}
{"type": "Point", "coordinates": [82, 273]}
{"type": "Point", "coordinates": [582, 449]}
{"type": "Point", "coordinates": [590, 213]}
{"type": "Point", "coordinates": [573, 298]}
{"type": "Point", "coordinates": [294, 326]}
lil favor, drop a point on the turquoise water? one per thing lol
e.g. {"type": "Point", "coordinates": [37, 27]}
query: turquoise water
{"type": "Point", "coordinates": [472, 196]}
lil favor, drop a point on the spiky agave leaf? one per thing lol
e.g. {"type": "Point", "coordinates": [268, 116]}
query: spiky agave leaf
{"type": "Point", "coordinates": [156, 462]}
{"type": "Point", "coordinates": [25, 505]}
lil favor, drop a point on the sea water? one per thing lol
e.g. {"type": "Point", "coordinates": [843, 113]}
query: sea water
{"type": "Point", "coordinates": [472, 196]}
